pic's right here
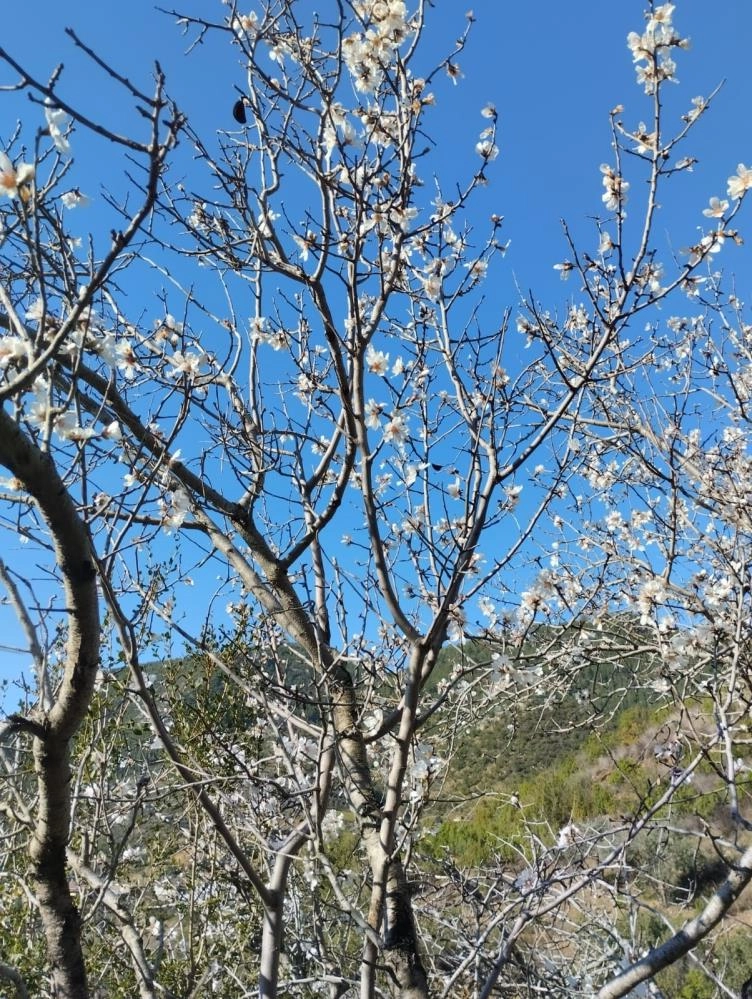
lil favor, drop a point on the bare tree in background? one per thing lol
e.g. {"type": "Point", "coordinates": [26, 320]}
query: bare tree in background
{"type": "Point", "coordinates": [313, 405]}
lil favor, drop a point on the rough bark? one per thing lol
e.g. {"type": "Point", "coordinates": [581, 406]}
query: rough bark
{"type": "Point", "coordinates": [391, 902]}
{"type": "Point", "coordinates": [53, 729]}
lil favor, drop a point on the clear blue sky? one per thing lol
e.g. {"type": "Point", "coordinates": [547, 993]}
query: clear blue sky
{"type": "Point", "coordinates": [553, 70]}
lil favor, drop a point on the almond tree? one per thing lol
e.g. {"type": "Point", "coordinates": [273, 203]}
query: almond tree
{"type": "Point", "coordinates": [315, 404]}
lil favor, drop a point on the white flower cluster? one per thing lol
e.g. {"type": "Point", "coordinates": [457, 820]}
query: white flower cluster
{"type": "Point", "coordinates": [651, 50]}
{"type": "Point", "coordinates": [367, 54]}
{"type": "Point", "coordinates": [174, 508]}
{"type": "Point", "coordinates": [277, 339]}
{"type": "Point", "coordinates": [332, 825]}
{"type": "Point", "coordinates": [651, 595]}
{"type": "Point", "coordinates": [41, 413]}
{"type": "Point", "coordinates": [15, 181]}
{"type": "Point", "coordinates": [426, 768]}
{"type": "Point", "coordinates": [615, 194]}
{"type": "Point", "coordinates": [245, 25]}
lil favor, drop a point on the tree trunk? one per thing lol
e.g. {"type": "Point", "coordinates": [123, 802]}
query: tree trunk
{"type": "Point", "coordinates": [47, 851]}
{"type": "Point", "coordinates": [391, 903]}
{"type": "Point", "coordinates": [53, 730]}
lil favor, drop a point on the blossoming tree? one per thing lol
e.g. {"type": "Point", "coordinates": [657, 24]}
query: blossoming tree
{"type": "Point", "coordinates": [315, 423]}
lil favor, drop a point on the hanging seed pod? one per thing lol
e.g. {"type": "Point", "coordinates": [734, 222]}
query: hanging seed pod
{"type": "Point", "coordinates": [238, 111]}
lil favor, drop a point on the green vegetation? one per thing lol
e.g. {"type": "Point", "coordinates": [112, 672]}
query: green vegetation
{"type": "Point", "coordinates": [537, 780]}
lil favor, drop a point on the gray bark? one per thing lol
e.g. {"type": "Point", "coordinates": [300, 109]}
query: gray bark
{"type": "Point", "coordinates": [53, 729]}
{"type": "Point", "coordinates": [391, 902]}
{"type": "Point", "coordinates": [688, 936]}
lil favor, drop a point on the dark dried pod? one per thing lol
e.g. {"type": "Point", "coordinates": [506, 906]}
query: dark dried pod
{"type": "Point", "coordinates": [238, 111]}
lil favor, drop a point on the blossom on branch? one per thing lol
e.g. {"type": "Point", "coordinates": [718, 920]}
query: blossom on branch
{"type": "Point", "coordinates": [13, 351]}
{"type": "Point", "coordinates": [740, 183]}
{"type": "Point", "coordinates": [373, 413]}
{"type": "Point", "coordinates": [75, 199]}
{"type": "Point", "coordinates": [13, 179]}
{"type": "Point", "coordinates": [650, 51]}
{"type": "Point", "coordinates": [187, 365]}
{"type": "Point", "coordinates": [58, 123]}
{"type": "Point", "coordinates": [395, 430]}
{"type": "Point", "coordinates": [717, 208]}
{"type": "Point", "coordinates": [174, 509]}
{"type": "Point", "coordinates": [616, 187]}
{"type": "Point", "coordinates": [245, 24]}
{"type": "Point", "coordinates": [377, 362]}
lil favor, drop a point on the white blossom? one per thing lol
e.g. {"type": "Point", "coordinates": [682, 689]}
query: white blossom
{"type": "Point", "coordinates": [568, 835]}
{"type": "Point", "coordinates": [174, 509]}
{"type": "Point", "coordinates": [245, 24]}
{"type": "Point", "coordinates": [113, 431]}
{"type": "Point", "coordinates": [58, 122]}
{"type": "Point", "coordinates": [127, 361]}
{"type": "Point", "coordinates": [188, 364]}
{"type": "Point", "coordinates": [75, 199]}
{"type": "Point", "coordinates": [740, 182]}
{"type": "Point", "coordinates": [487, 149]}
{"type": "Point", "coordinates": [13, 351]}
{"type": "Point", "coordinates": [373, 413]}
{"type": "Point", "coordinates": [13, 179]}
{"type": "Point", "coordinates": [68, 428]}
{"type": "Point", "coordinates": [616, 188]}
{"type": "Point", "coordinates": [377, 362]}
{"type": "Point", "coordinates": [395, 431]}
